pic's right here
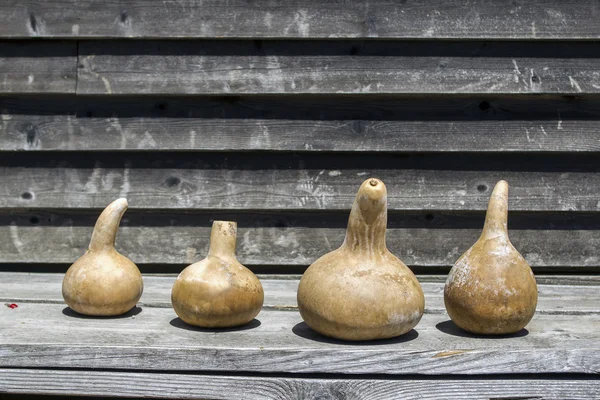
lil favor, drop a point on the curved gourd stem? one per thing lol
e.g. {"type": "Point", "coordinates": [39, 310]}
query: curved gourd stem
{"type": "Point", "coordinates": [368, 219]}
{"type": "Point", "coordinates": [496, 218]}
{"type": "Point", "coordinates": [223, 237]}
{"type": "Point", "coordinates": [105, 230]}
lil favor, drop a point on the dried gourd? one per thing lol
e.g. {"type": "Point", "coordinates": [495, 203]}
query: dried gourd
{"type": "Point", "coordinates": [491, 288]}
{"type": "Point", "coordinates": [218, 292]}
{"type": "Point", "coordinates": [103, 282]}
{"type": "Point", "coordinates": [361, 291]}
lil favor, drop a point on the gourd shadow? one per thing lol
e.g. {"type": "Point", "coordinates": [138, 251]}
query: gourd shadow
{"type": "Point", "coordinates": [304, 331]}
{"type": "Point", "coordinates": [69, 312]}
{"type": "Point", "coordinates": [450, 328]}
{"type": "Point", "coordinates": [179, 323]}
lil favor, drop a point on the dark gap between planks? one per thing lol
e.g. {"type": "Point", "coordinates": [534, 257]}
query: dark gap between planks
{"type": "Point", "coordinates": [404, 377]}
{"type": "Point", "coordinates": [357, 48]}
{"type": "Point", "coordinates": [568, 162]}
{"type": "Point", "coordinates": [519, 220]}
{"type": "Point", "coordinates": [305, 107]}
{"type": "Point", "coordinates": [425, 273]}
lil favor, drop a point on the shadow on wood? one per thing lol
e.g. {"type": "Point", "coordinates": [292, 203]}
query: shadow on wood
{"type": "Point", "coordinates": [131, 313]}
{"type": "Point", "coordinates": [178, 323]}
{"type": "Point", "coordinates": [306, 332]}
{"type": "Point", "coordinates": [450, 328]}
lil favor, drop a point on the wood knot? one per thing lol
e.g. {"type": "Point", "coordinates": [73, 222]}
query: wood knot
{"type": "Point", "coordinates": [173, 181]}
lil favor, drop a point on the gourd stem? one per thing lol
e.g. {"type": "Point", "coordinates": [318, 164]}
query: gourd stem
{"type": "Point", "coordinates": [367, 237]}
{"type": "Point", "coordinates": [105, 230]}
{"type": "Point", "coordinates": [496, 219]}
{"type": "Point", "coordinates": [222, 239]}
{"type": "Point", "coordinates": [368, 219]}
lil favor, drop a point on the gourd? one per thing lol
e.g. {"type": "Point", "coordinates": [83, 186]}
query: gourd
{"type": "Point", "coordinates": [103, 282]}
{"type": "Point", "coordinates": [491, 288]}
{"type": "Point", "coordinates": [361, 291]}
{"type": "Point", "coordinates": [218, 292]}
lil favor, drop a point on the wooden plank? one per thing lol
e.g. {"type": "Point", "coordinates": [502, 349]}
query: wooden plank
{"type": "Point", "coordinates": [280, 294]}
{"type": "Point", "coordinates": [541, 278]}
{"type": "Point", "coordinates": [542, 19]}
{"type": "Point", "coordinates": [45, 336]}
{"type": "Point", "coordinates": [325, 67]}
{"type": "Point", "coordinates": [308, 124]}
{"type": "Point", "coordinates": [295, 182]}
{"type": "Point", "coordinates": [180, 386]}
{"type": "Point", "coordinates": [37, 67]}
{"type": "Point", "coordinates": [568, 279]}
{"type": "Point", "coordinates": [283, 242]}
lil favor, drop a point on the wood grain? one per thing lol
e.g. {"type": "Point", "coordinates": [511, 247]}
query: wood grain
{"type": "Point", "coordinates": [280, 294]}
{"type": "Point", "coordinates": [541, 19]}
{"type": "Point", "coordinates": [298, 123]}
{"type": "Point", "coordinates": [37, 67]}
{"type": "Point", "coordinates": [44, 335]}
{"type": "Point", "coordinates": [294, 182]}
{"type": "Point", "coordinates": [64, 240]}
{"type": "Point", "coordinates": [335, 67]}
{"type": "Point", "coordinates": [180, 386]}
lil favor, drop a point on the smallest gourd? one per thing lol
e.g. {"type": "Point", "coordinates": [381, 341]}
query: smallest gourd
{"type": "Point", "coordinates": [218, 292]}
{"type": "Point", "coordinates": [103, 282]}
{"type": "Point", "coordinates": [491, 289]}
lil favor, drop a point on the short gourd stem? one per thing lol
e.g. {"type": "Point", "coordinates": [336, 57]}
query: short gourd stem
{"type": "Point", "coordinates": [496, 219]}
{"type": "Point", "coordinates": [105, 230]}
{"type": "Point", "coordinates": [223, 239]}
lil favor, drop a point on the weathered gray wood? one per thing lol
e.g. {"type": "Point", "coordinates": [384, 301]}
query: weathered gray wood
{"type": "Point", "coordinates": [65, 241]}
{"type": "Point", "coordinates": [37, 67]}
{"type": "Point", "coordinates": [545, 19]}
{"type": "Point", "coordinates": [347, 124]}
{"type": "Point", "coordinates": [41, 335]}
{"type": "Point", "coordinates": [542, 279]}
{"type": "Point", "coordinates": [228, 182]}
{"type": "Point", "coordinates": [281, 294]}
{"type": "Point", "coordinates": [180, 386]}
{"type": "Point", "coordinates": [337, 68]}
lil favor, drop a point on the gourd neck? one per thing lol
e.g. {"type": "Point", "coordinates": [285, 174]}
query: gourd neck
{"type": "Point", "coordinates": [223, 237]}
{"type": "Point", "coordinates": [105, 230]}
{"type": "Point", "coordinates": [496, 218]}
{"type": "Point", "coordinates": [364, 234]}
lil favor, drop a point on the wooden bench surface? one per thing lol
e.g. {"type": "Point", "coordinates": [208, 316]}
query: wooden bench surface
{"type": "Point", "coordinates": [42, 336]}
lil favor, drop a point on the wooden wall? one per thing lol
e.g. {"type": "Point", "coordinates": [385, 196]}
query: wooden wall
{"type": "Point", "coordinates": [272, 114]}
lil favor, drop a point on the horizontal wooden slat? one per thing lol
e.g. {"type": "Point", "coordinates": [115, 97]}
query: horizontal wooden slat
{"type": "Point", "coordinates": [290, 182]}
{"type": "Point", "coordinates": [280, 294]}
{"type": "Point", "coordinates": [38, 335]}
{"type": "Point", "coordinates": [180, 386]}
{"type": "Point", "coordinates": [217, 67]}
{"type": "Point", "coordinates": [309, 124]}
{"type": "Point", "coordinates": [281, 240]}
{"type": "Point", "coordinates": [37, 67]}
{"type": "Point", "coordinates": [543, 19]}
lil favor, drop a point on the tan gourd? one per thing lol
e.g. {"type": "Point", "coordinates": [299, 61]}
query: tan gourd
{"type": "Point", "coordinates": [103, 282]}
{"type": "Point", "coordinates": [218, 292]}
{"type": "Point", "coordinates": [491, 288]}
{"type": "Point", "coordinates": [361, 291]}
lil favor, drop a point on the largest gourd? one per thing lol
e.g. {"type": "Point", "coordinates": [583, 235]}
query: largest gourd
{"type": "Point", "coordinates": [361, 291]}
